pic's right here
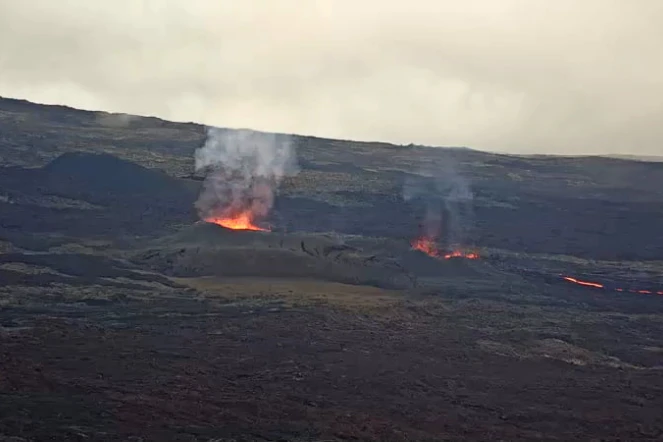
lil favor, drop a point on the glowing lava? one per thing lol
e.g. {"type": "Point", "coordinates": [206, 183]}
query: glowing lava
{"type": "Point", "coordinates": [585, 283]}
{"type": "Point", "coordinates": [617, 289]}
{"type": "Point", "coordinates": [242, 221]}
{"type": "Point", "coordinates": [428, 246]}
{"type": "Point", "coordinates": [459, 254]}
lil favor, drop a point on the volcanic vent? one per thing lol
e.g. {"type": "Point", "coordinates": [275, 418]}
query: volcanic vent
{"type": "Point", "coordinates": [428, 245]}
{"type": "Point", "coordinates": [447, 199]}
{"type": "Point", "coordinates": [243, 170]}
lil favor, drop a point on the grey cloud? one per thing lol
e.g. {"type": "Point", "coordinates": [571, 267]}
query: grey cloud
{"type": "Point", "coordinates": [535, 76]}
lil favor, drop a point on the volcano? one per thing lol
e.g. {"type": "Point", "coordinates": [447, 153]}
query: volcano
{"type": "Point", "coordinates": [209, 249]}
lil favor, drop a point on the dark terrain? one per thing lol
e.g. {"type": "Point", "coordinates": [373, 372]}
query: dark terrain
{"type": "Point", "coordinates": [122, 317]}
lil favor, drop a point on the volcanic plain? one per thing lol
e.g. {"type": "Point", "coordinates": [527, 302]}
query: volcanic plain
{"type": "Point", "coordinates": [124, 316]}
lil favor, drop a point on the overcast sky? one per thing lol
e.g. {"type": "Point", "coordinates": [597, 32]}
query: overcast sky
{"type": "Point", "coordinates": [536, 76]}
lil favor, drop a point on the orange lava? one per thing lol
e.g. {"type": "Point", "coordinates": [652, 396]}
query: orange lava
{"type": "Point", "coordinates": [459, 254]}
{"type": "Point", "coordinates": [428, 246]}
{"type": "Point", "coordinates": [585, 283]}
{"type": "Point", "coordinates": [242, 221]}
{"type": "Point", "coordinates": [618, 289]}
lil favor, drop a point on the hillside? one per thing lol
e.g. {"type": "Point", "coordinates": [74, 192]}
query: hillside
{"type": "Point", "coordinates": [589, 206]}
{"type": "Point", "coordinates": [534, 314]}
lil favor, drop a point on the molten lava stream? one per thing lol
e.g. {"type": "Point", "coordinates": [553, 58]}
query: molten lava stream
{"type": "Point", "coordinates": [585, 283]}
{"type": "Point", "coordinates": [618, 289]}
{"type": "Point", "coordinates": [242, 221]}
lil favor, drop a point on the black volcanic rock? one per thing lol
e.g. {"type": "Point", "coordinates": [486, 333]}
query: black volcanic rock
{"type": "Point", "coordinates": [210, 250]}
{"type": "Point", "coordinates": [591, 207]}
{"type": "Point", "coordinates": [206, 249]}
{"type": "Point", "coordinates": [84, 194]}
{"type": "Point", "coordinates": [100, 175]}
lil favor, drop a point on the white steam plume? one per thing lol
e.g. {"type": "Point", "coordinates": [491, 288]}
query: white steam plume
{"type": "Point", "coordinates": [244, 169]}
{"type": "Point", "coordinates": [115, 120]}
{"type": "Point", "coordinates": [448, 199]}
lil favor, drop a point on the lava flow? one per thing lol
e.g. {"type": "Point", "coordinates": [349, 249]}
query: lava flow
{"type": "Point", "coordinates": [617, 289]}
{"type": "Point", "coordinates": [242, 221]}
{"type": "Point", "coordinates": [585, 283]}
{"type": "Point", "coordinates": [428, 246]}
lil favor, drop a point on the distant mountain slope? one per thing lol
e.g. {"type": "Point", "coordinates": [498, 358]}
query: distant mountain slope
{"type": "Point", "coordinates": [589, 206]}
{"type": "Point", "coordinates": [654, 158]}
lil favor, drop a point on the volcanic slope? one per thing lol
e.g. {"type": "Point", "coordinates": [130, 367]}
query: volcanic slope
{"type": "Point", "coordinates": [206, 249]}
{"type": "Point", "coordinates": [591, 207]}
{"type": "Point", "coordinates": [90, 196]}
{"type": "Point", "coordinates": [124, 318]}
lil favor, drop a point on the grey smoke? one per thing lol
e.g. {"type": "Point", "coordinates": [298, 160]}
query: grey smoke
{"type": "Point", "coordinates": [115, 120]}
{"type": "Point", "coordinates": [244, 169]}
{"type": "Point", "coordinates": [447, 197]}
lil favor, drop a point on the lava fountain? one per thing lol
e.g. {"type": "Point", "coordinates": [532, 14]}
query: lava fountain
{"type": "Point", "coordinates": [243, 171]}
{"type": "Point", "coordinates": [427, 246]}
{"type": "Point", "coordinates": [242, 221]}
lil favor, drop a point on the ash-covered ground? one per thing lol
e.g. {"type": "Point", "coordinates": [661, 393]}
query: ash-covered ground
{"type": "Point", "coordinates": [124, 317]}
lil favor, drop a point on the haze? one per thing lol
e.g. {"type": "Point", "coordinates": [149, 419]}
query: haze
{"type": "Point", "coordinates": [530, 76]}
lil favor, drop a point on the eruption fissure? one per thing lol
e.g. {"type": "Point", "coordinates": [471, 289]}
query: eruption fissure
{"type": "Point", "coordinates": [244, 169]}
{"type": "Point", "coordinates": [603, 286]}
{"type": "Point", "coordinates": [429, 247]}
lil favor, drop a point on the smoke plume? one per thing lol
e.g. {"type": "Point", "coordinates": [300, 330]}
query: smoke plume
{"type": "Point", "coordinates": [244, 169]}
{"type": "Point", "coordinates": [115, 120]}
{"type": "Point", "coordinates": [447, 198]}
